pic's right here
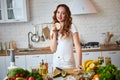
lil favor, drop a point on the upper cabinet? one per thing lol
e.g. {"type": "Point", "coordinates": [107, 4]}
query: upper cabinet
{"type": "Point", "coordinates": [14, 11]}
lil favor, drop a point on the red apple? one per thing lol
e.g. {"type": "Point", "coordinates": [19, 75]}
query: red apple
{"type": "Point", "coordinates": [31, 78]}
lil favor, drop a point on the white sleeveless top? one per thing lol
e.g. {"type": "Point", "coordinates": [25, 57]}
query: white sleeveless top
{"type": "Point", "coordinates": [63, 57]}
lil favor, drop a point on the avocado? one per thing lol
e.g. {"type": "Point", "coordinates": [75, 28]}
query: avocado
{"type": "Point", "coordinates": [57, 75]}
{"type": "Point", "coordinates": [64, 74]}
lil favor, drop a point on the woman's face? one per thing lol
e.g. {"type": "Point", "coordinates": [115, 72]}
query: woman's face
{"type": "Point", "coordinates": [60, 15]}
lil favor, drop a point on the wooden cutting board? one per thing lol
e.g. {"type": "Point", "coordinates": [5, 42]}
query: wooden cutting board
{"type": "Point", "coordinates": [46, 32]}
{"type": "Point", "coordinates": [68, 70]}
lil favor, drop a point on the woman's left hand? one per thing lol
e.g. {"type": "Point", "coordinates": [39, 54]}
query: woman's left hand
{"type": "Point", "coordinates": [80, 67]}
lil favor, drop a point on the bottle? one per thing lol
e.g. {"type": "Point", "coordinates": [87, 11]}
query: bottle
{"type": "Point", "coordinates": [101, 60]}
{"type": "Point", "coordinates": [44, 69]}
{"type": "Point", "coordinates": [107, 60]}
{"type": "Point", "coordinates": [1, 47]}
{"type": "Point", "coordinates": [46, 65]}
{"type": "Point", "coordinates": [40, 68]}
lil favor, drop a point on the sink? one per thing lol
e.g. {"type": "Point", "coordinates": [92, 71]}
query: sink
{"type": "Point", "coordinates": [27, 50]}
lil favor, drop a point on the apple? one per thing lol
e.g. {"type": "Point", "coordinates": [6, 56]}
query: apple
{"type": "Point", "coordinates": [58, 26]}
{"type": "Point", "coordinates": [31, 78]}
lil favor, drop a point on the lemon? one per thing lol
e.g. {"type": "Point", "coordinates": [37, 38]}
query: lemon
{"type": "Point", "coordinates": [92, 65]}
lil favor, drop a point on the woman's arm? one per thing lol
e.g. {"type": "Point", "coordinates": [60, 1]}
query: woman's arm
{"type": "Point", "coordinates": [78, 47]}
{"type": "Point", "coordinates": [53, 38]}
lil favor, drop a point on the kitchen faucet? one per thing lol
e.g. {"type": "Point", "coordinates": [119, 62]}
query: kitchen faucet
{"type": "Point", "coordinates": [29, 39]}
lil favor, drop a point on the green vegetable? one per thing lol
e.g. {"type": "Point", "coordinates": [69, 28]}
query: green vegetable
{"type": "Point", "coordinates": [107, 72]}
{"type": "Point", "coordinates": [14, 71]}
{"type": "Point", "coordinates": [117, 75]}
{"type": "Point", "coordinates": [36, 75]}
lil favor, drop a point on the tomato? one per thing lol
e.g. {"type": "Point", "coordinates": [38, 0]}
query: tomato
{"type": "Point", "coordinates": [10, 79]}
{"type": "Point", "coordinates": [31, 78]}
{"type": "Point", "coordinates": [26, 78]}
{"type": "Point", "coordinates": [17, 75]}
{"type": "Point", "coordinates": [21, 75]}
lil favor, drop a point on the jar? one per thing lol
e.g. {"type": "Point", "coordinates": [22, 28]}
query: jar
{"type": "Point", "coordinates": [101, 59]}
{"type": "Point", "coordinates": [107, 60]}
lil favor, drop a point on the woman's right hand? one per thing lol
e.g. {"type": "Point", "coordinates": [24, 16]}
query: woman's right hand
{"type": "Point", "coordinates": [54, 29]}
{"type": "Point", "coordinates": [54, 32]}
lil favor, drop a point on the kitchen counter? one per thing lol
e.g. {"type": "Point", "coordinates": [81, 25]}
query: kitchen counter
{"type": "Point", "coordinates": [103, 48]}
{"type": "Point", "coordinates": [46, 50]}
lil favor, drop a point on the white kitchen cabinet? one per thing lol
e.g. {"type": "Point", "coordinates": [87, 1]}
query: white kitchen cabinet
{"type": "Point", "coordinates": [86, 56]}
{"type": "Point", "coordinates": [1, 11]}
{"type": "Point", "coordinates": [115, 56]}
{"type": "Point", "coordinates": [50, 62]}
{"type": "Point", "coordinates": [2, 67]}
{"type": "Point", "coordinates": [32, 61]}
{"type": "Point", "coordinates": [20, 61]}
{"type": "Point", "coordinates": [90, 55]}
{"type": "Point", "coordinates": [13, 11]}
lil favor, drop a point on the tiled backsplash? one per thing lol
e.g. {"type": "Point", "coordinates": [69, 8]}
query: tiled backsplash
{"type": "Point", "coordinates": [90, 26]}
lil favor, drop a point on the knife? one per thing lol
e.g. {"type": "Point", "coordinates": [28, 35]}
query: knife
{"type": "Point", "coordinates": [64, 73]}
{"type": "Point", "coordinates": [59, 69]}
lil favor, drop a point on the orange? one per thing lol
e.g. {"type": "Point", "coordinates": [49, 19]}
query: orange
{"type": "Point", "coordinates": [96, 76]}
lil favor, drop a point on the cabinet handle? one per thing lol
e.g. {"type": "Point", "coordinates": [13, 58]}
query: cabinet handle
{"type": "Point", "coordinates": [16, 57]}
{"type": "Point", "coordinates": [35, 56]}
{"type": "Point", "coordinates": [113, 53]}
{"type": "Point", "coordinates": [17, 20]}
{"type": "Point", "coordinates": [85, 53]}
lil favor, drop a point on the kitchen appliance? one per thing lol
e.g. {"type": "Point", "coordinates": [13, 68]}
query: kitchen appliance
{"type": "Point", "coordinates": [42, 38]}
{"type": "Point", "coordinates": [91, 45]}
{"type": "Point", "coordinates": [118, 43]}
{"type": "Point", "coordinates": [12, 59]}
{"type": "Point", "coordinates": [35, 37]}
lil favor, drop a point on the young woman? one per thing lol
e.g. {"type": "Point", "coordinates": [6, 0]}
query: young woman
{"type": "Point", "coordinates": [64, 36]}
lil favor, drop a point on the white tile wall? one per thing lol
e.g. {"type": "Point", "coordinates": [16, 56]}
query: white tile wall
{"type": "Point", "coordinates": [90, 26]}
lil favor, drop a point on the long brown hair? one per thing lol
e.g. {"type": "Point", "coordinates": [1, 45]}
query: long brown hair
{"type": "Point", "coordinates": [68, 20]}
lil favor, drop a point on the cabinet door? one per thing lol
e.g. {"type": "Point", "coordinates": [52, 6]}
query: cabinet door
{"type": "Point", "coordinates": [50, 62]}
{"type": "Point", "coordinates": [20, 61]}
{"type": "Point", "coordinates": [90, 55]}
{"type": "Point", "coordinates": [115, 56]}
{"type": "Point", "coordinates": [32, 61]}
{"type": "Point", "coordinates": [14, 11]}
{"type": "Point", "coordinates": [2, 68]}
{"type": "Point", "coordinates": [1, 11]}
{"type": "Point", "coordinates": [86, 56]}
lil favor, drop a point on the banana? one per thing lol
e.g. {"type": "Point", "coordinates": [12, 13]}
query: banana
{"type": "Point", "coordinates": [88, 63]}
{"type": "Point", "coordinates": [84, 63]}
{"type": "Point", "coordinates": [96, 62]}
{"type": "Point", "coordinates": [88, 69]}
